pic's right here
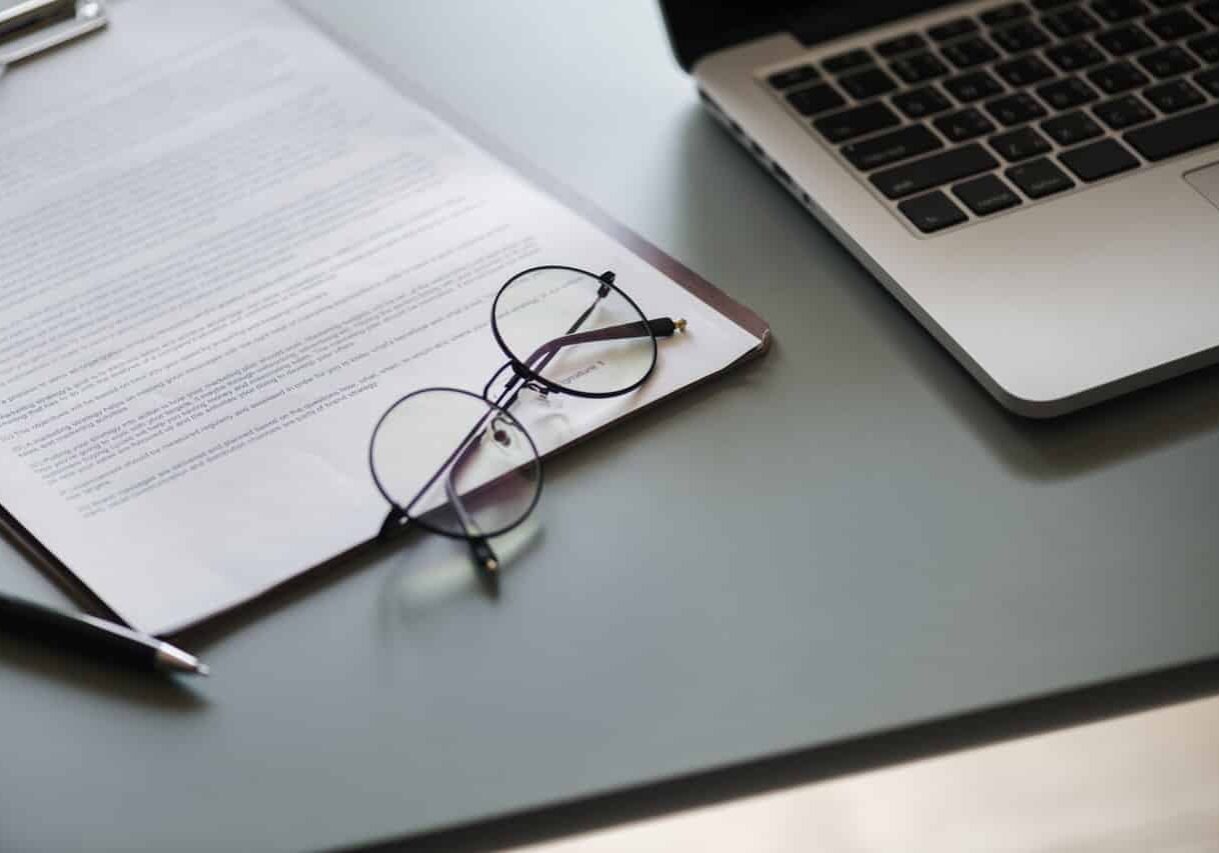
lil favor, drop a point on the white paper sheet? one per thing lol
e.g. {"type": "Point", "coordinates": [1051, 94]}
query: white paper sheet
{"type": "Point", "coordinates": [225, 248]}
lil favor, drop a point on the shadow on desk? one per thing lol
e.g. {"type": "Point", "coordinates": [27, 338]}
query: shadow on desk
{"type": "Point", "coordinates": [80, 674]}
{"type": "Point", "coordinates": [411, 589]}
{"type": "Point", "coordinates": [1094, 438]}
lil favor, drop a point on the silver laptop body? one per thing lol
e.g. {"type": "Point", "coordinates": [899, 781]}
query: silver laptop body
{"type": "Point", "coordinates": [1062, 297]}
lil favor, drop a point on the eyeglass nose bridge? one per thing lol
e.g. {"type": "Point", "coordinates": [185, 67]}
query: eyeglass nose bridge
{"type": "Point", "coordinates": [529, 379]}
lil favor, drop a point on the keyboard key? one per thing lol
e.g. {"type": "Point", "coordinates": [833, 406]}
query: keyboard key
{"type": "Point", "coordinates": [932, 212]}
{"type": "Point", "coordinates": [1070, 23]}
{"type": "Point", "coordinates": [868, 84]}
{"type": "Point", "coordinates": [1071, 128]}
{"type": "Point", "coordinates": [901, 44]}
{"type": "Point", "coordinates": [839, 127]}
{"type": "Point", "coordinates": [1099, 160]}
{"type": "Point", "coordinates": [1068, 93]}
{"type": "Point", "coordinates": [1174, 25]}
{"type": "Point", "coordinates": [877, 151]}
{"type": "Point", "coordinates": [1209, 80]}
{"type": "Point", "coordinates": [1046, 5]}
{"type": "Point", "coordinates": [1207, 48]}
{"type": "Point", "coordinates": [1023, 71]}
{"type": "Point", "coordinates": [918, 67]}
{"type": "Point", "coordinates": [793, 77]}
{"type": "Point", "coordinates": [1005, 14]}
{"type": "Point", "coordinates": [846, 61]}
{"type": "Point", "coordinates": [1118, 77]}
{"type": "Point", "coordinates": [963, 125]}
{"type": "Point", "coordinates": [934, 171]}
{"type": "Point", "coordinates": [1119, 10]}
{"type": "Point", "coordinates": [815, 99]}
{"type": "Point", "coordinates": [973, 86]}
{"type": "Point", "coordinates": [919, 103]}
{"type": "Point", "coordinates": [1168, 62]}
{"type": "Point", "coordinates": [1174, 96]}
{"type": "Point", "coordinates": [1017, 145]}
{"type": "Point", "coordinates": [1176, 135]}
{"type": "Point", "coordinates": [969, 52]}
{"type": "Point", "coordinates": [1074, 55]}
{"type": "Point", "coordinates": [955, 28]}
{"type": "Point", "coordinates": [1123, 40]}
{"type": "Point", "coordinates": [1209, 10]}
{"type": "Point", "coordinates": [1020, 37]}
{"type": "Point", "coordinates": [1123, 112]}
{"type": "Point", "coordinates": [1039, 178]}
{"type": "Point", "coordinates": [1015, 109]}
{"type": "Point", "coordinates": [986, 195]}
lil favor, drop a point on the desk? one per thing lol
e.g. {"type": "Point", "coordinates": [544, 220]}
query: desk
{"type": "Point", "coordinates": [845, 537]}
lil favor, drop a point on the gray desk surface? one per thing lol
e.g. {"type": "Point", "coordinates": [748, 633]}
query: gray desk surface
{"type": "Point", "coordinates": [845, 537]}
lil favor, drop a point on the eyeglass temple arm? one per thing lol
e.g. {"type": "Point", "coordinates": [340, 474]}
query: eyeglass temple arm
{"type": "Point", "coordinates": [481, 551]}
{"type": "Point", "coordinates": [627, 330]}
{"type": "Point", "coordinates": [660, 327]}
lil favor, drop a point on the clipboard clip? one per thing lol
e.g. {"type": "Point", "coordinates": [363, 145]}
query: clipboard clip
{"type": "Point", "coordinates": [30, 27]}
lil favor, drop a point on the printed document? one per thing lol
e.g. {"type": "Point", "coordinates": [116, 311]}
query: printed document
{"type": "Point", "coordinates": [225, 248]}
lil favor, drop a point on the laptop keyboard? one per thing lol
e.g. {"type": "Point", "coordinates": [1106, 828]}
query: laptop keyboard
{"type": "Point", "coordinates": [1016, 104]}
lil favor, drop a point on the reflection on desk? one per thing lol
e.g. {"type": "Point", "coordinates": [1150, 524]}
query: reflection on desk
{"type": "Point", "coordinates": [1142, 782]}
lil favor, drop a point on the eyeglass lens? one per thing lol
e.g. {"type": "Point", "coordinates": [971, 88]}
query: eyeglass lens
{"type": "Point", "coordinates": [455, 463]}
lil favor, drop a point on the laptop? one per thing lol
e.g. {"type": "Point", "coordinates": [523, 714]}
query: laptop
{"type": "Point", "coordinates": [1036, 182]}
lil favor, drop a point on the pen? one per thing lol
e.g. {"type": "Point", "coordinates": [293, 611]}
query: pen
{"type": "Point", "coordinates": [96, 637]}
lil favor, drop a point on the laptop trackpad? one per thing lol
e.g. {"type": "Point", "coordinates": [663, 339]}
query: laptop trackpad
{"type": "Point", "coordinates": [1206, 181]}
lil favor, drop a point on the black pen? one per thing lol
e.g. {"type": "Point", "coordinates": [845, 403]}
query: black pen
{"type": "Point", "coordinates": [96, 637]}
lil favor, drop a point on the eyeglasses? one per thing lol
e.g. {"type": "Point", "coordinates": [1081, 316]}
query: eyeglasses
{"type": "Point", "coordinates": [460, 464]}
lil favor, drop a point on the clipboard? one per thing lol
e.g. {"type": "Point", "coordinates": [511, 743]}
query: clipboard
{"type": "Point", "coordinates": [55, 28]}
{"type": "Point", "coordinates": [31, 27]}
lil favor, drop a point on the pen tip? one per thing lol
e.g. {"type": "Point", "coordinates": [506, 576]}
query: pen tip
{"type": "Point", "coordinates": [175, 660]}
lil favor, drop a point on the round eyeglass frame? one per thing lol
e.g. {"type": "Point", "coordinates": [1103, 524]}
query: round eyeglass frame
{"type": "Point", "coordinates": [523, 371]}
